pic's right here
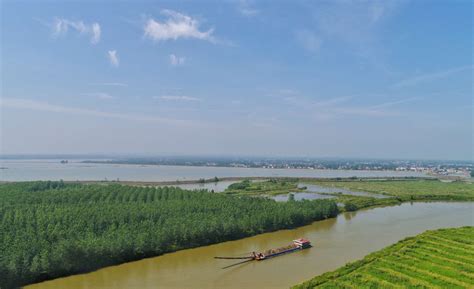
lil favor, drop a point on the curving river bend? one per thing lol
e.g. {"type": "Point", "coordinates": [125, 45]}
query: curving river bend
{"type": "Point", "coordinates": [336, 241]}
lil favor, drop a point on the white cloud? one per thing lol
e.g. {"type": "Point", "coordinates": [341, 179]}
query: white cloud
{"type": "Point", "coordinates": [113, 57]}
{"type": "Point", "coordinates": [175, 60]}
{"type": "Point", "coordinates": [101, 95]}
{"type": "Point", "coordinates": [308, 40]}
{"type": "Point", "coordinates": [177, 98]}
{"type": "Point", "coordinates": [61, 26]}
{"type": "Point", "coordinates": [95, 33]}
{"type": "Point", "coordinates": [176, 26]}
{"type": "Point", "coordinates": [44, 106]}
{"type": "Point", "coordinates": [430, 76]}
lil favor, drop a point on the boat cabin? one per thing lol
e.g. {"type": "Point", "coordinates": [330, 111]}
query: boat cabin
{"type": "Point", "coordinates": [302, 243]}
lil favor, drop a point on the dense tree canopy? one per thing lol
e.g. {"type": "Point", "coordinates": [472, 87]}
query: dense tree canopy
{"type": "Point", "coordinates": [51, 229]}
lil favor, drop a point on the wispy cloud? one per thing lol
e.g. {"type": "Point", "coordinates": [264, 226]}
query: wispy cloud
{"type": "Point", "coordinates": [352, 21]}
{"type": "Point", "coordinates": [431, 76]}
{"type": "Point", "coordinates": [247, 8]}
{"type": "Point", "coordinates": [177, 98]}
{"type": "Point", "coordinates": [44, 106]}
{"type": "Point", "coordinates": [339, 107]}
{"type": "Point", "coordinates": [305, 103]}
{"type": "Point", "coordinates": [101, 95]}
{"type": "Point", "coordinates": [354, 24]}
{"type": "Point", "coordinates": [331, 101]}
{"type": "Point", "coordinates": [283, 92]}
{"type": "Point", "coordinates": [176, 26]}
{"type": "Point", "coordinates": [309, 40]}
{"type": "Point", "coordinates": [377, 110]}
{"type": "Point", "coordinates": [61, 26]}
{"type": "Point", "coordinates": [395, 102]}
{"type": "Point", "coordinates": [113, 58]}
{"type": "Point", "coordinates": [176, 60]}
{"type": "Point", "coordinates": [111, 84]}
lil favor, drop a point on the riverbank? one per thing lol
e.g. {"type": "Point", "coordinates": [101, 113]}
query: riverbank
{"type": "Point", "coordinates": [236, 179]}
{"type": "Point", "coordinates": [441, 258]}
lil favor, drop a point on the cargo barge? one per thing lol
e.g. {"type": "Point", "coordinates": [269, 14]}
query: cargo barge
{"type": "Point", "coordinates": [298, 244]}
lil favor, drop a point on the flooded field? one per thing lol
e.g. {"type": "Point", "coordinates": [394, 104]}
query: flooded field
{"type": "Point", "coordinates": [336, 241]}
{"type": "Point", "coordinates": [321, 189]}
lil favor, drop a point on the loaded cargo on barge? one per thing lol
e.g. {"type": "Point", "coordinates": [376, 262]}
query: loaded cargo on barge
{"type": "Point", "coordinates": [298, 244]}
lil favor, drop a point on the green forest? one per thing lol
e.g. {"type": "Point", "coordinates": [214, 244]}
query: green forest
{"type": "Point", "coordinates": [52, 229]}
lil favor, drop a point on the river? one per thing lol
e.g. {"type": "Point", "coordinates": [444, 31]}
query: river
{"type": "Point", "coordinates": [336, 241]}
{"type": "Point", "coordinates": [52, 169]}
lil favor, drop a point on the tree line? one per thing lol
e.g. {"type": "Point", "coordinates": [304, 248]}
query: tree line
{"type": "Point", "coordinates": [53, 229]}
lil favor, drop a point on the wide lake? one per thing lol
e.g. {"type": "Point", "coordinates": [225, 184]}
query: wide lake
{"type": "Point", "coordinates": [336, 241]}
{"type": "Point", "coordinates": [52, 169]}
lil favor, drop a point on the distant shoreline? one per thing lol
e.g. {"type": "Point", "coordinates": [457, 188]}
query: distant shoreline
{"type": "Point", "coordinates": [212, 180]}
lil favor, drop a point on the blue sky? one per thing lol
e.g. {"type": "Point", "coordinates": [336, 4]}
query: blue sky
{"type": "Point", "coordinates": [382, 79]}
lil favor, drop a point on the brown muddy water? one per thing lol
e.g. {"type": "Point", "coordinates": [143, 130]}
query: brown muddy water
{"type": "Point", "coordinates": [336, 241]}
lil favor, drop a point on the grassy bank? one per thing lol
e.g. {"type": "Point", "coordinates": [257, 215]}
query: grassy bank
{"type": "Point", "coordinates": [407, 190]}
{"type": "Point", "coordinates": [435, 259]}
{"type": "Point", "coordinates": [397, 191]}
{"type": "Point", "coordinates": [53, 229]}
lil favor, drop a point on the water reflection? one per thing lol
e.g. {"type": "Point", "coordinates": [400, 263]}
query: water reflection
{"type": "Point", "coordinates": [349, 215]}
{"type": "Point", "coordinates": [321, 189]}
{"type": "Point", "coordinates": [298, 196]}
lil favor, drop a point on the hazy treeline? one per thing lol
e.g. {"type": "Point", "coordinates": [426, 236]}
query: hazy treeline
{"type": "Point", "coordinates": [52, 229]}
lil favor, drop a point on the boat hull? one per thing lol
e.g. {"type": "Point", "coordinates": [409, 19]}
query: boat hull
{"type": "Point", "coordinates": [281, 253]}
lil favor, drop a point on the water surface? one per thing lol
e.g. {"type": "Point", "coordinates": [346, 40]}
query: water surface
{"type": "Point", "coordinates": [321, 189]}
{"type": "Point", "coordinates": [336, 241]}
{"type": "Point", "coordinates": [52, 169]}
{"type": "Point", "coordinates": [300, 196]}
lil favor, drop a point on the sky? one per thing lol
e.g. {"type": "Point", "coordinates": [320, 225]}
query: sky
{"type": "Point", "coordinates": [363, 79]}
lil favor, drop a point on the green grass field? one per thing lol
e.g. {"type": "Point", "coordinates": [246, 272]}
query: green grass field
{"type": "Point", "coordinates": [409, 189]}
{"type": "Point", "coordinates": [435, 259]}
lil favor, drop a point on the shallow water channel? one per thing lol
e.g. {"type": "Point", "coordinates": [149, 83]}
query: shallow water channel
{"type": "Point", "coordinates": [314, 192]}
{"type": "Point", "coordinates": [336, 241]}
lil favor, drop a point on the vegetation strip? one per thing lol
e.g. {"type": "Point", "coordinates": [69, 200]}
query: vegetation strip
{"type": "Point", "coordinates": [414, 262]}
{"type": "Point", "coordinates": [458, 272]}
